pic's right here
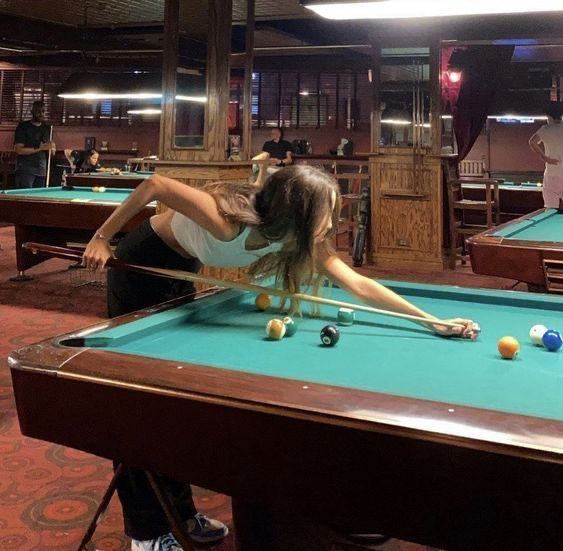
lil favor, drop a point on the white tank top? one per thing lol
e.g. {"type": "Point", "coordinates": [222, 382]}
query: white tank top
{"type": "Point", "coordinates": [210, 251]}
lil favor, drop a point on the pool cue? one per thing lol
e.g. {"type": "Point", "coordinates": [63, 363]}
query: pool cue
{"type": "Point", "coordinates": [71, 254]}
{"type": "Point", "coordinates": [49, 159]}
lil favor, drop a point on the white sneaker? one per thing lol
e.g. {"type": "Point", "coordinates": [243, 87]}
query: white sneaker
{"type": "Point", "coordinates": [200, 529]}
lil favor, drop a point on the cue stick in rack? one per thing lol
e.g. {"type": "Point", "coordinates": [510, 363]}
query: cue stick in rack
{"type": "Point", "coordinates": [49, 158]}
{"type": "Point", "coordinates": [71, 254]}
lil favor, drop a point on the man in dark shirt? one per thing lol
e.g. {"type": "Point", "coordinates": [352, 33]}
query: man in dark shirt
{"type": "Point", "coordinates": [32, 145]}
{"type": "Point", "coordinates": [278, 148]}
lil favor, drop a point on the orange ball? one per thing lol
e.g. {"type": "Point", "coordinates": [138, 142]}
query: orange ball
{"type": "Point", "coordinates": [263, 301]}
{"type": "Point", "coordinates": [508, 347]}
{"type": "Point", "coordinates": [275, 329]}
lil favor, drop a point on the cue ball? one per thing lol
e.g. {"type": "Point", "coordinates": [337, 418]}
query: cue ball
{"type": "Point", "coordinates": [552, 340]}
{"type": "Point", "coordinates": [275, 329]}
{"type": "Point", "coordinates": [508, 347]}
{"type": "Point", "coordinates": [536, 334]}
{"type": "Point", "coordinates": [263, 301]}
{"type": "Point", "coordinates": [329, 335]}
{"type": "Point", "coordinates": [290, 326]}
{"type": "Point", "coordinates": [101, 189]}
{"type": "Point", "coordinates": [345, 316]}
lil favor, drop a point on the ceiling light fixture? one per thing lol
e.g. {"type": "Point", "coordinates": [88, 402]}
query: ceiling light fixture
{"type": "Point", "coordinates": [403, 9]}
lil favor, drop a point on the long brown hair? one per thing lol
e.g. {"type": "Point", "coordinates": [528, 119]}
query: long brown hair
{"type": "Point", "coordinates": [293, 202]}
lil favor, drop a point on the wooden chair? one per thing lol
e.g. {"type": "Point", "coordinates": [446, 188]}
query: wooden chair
{"type": "Point", "coordinates": [472, 169]}
{"type": "Point", "coordinates": [464, 214]}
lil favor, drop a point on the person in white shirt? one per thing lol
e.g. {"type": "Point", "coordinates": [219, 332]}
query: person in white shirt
{"type": "Point", "coordinates": [284, 228]}
{"type": "Point", "coordinates": [547, 142]}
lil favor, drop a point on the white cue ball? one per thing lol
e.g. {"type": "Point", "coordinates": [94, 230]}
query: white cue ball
{"type": "Point", "coordinates": [536, 334]}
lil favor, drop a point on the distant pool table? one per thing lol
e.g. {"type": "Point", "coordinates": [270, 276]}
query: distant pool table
{"type": "Point", "coordinates": [528, 249]}
{"type": "Point", "coordinates": [515, 199]}
{"type": "Point", "coordinates": [433, 440]}
{"type": "Point", "coordinates": [123, 180]}
{"type": "Point", "coordinates": [57, 216]}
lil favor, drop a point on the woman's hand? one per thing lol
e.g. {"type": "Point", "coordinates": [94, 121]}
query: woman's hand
{"type": "Point", "coordinates": [96, 254]}
{"type": "Point", "coordinates": [466, 328]}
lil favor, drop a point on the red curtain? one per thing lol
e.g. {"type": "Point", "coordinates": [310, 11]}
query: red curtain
{"type": "Point", "coordinates": [483, 75]}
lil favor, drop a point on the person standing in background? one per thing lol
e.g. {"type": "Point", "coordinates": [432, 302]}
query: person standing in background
{"type": "Point", "coordinates": [550, 136]}
{"type": "Point", "coordinates": [32, 143]}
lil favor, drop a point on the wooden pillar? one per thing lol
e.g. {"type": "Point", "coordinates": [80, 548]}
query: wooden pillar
{"type": "Point", "coordinates": [217, 110]}
{"type": "Point", "coordinates": [218, 75]}
{"type": "Point", "coordinates": [376, 96]}
{"type": "Point", "coordinates": [169, 65]}
{"type": "Point", "coordinates": [248, 69]}
{"type": "Point", "coordinates": [435, 99]}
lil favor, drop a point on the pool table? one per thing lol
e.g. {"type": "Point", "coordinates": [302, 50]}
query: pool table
{"type": "Point", "coordinates": [515, 199]}
{"type": "Point", "coordinates": [528, 249]}
{"type": "Point", "coordinates": [429, 439]}
{"type": "Point", "coordinates": [57, 216]}
{"type": "Point", "coordinates": [123, 180]}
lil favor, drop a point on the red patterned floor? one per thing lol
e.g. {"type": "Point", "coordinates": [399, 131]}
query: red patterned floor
{"type": "Point", "coordinates": [47, 492]}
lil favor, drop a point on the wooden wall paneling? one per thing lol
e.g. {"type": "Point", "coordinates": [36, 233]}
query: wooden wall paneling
{"type": "Point", "coordinates": [406, 214]}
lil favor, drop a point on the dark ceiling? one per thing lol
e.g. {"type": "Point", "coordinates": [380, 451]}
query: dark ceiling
{"type": "Point", "coordinates": [117, 33]}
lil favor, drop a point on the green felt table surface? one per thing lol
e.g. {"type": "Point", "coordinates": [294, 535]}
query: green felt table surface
{"type": "Point", "coordinates": [377, 353]}
{"type": "Point", "coordinates": [546, 226]}
{"type": "Point", "coordinates": [78, 194]}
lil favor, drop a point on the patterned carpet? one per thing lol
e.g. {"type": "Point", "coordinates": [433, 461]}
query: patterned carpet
{"type": "Point", "coordinates": [47, 492]}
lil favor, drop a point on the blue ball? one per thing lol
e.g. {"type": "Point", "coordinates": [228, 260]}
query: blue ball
{"type": "Point", "coordinates": [552, 340]}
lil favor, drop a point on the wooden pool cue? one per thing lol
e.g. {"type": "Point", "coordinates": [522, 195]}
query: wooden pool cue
{"type": "Point", "coordinates": [71, 254]}
{"type": "Point", "coordinates": [49, 158]}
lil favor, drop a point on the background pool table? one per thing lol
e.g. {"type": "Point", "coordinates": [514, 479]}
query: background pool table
{"type": "Point", "coordinates": [124, 180]}
{"type": "Point", "coordinates": [528, 249]}
{"type": "Point", "coordinates": [57, 216]}
{"type": "Point", "coordinates": [433, 440]}
{"type": "Point", "coordinates": [515, 199]}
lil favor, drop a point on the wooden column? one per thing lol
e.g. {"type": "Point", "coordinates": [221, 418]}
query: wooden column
{"type": "Point", "coordinates": [169, 65]}
{"type": "Point", "coordinates": [247, 94]}
{"type": "Point", "coordinates": [218, 50]}
{"type": "Point", "coordinates": [435, 98]}
{"type": "Point", "coordinates": [376, 96]}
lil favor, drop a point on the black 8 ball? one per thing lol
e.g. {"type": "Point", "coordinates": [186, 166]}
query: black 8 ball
{"type": "Point", "coordinates": [329, 335]}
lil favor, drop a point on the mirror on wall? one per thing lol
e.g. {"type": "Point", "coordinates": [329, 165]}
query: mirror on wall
{"type": "Point", "coordinates": [190, 103]}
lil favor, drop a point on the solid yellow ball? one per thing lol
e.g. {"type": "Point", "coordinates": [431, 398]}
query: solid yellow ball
{"type": "Point", "coordinates": [275, 329]}
{"type": "Point", "coordinates": [263, 301]}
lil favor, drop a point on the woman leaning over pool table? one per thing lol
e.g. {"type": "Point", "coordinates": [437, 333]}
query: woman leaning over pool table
{"type": "Point", "coordinates": [283, 228]}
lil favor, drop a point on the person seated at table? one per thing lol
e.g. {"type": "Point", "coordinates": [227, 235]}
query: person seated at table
{"type": "Point", "coordinates": [277, 150]}
{"type": "Point", "coordinates": [283, 228]}
{"type": "Point", "coordinates": [83, 161]}
{"type": "Point", "coordinates": [550, 136]}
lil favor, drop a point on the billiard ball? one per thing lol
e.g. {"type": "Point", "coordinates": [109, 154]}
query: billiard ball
{"type": "Point", "coordinates": [275, 329]}
{"type": "Point", "coordinates": [290, 326]}
{"type": "Point", "coordinates": [508, 347]}
{"type": "Point", "coordinates": [102, 189]}
{"type": "Point", "coordinates": [552, 340]}
{"type": "Point", "coordinates": [536, 334]}
{"type": "Point", "coordinates": [345, 316]}
{"type": "Point", "coordinates": [263, 301]}
{"type": "Point", "coordinates": [95, 189]}
{"type": "Point", "coordinates": [329, 335]}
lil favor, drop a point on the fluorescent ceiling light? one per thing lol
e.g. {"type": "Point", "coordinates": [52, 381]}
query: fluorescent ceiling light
{"type": "Point", "coordinates": [403, 9]}
{"type": "Point", "coordinates": [198, 99]}
{"type": "Point", "coordinates": [144, 112]}
{"type": "Point", "coordinates": [104, 95]}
